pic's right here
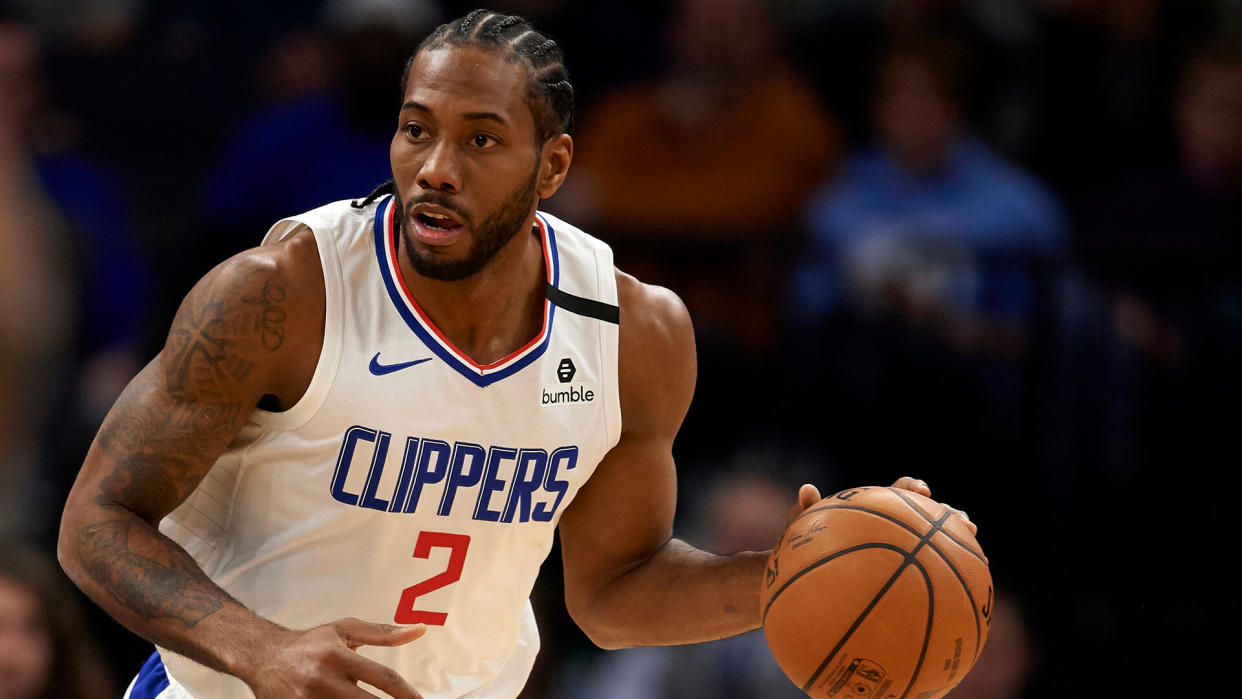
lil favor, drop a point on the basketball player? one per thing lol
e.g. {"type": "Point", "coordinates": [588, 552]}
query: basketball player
{"type": "Point", "coordinates": [347, 463]}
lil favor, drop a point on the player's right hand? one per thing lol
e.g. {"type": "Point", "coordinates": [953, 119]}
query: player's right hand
{"type": "Point", "coordinates": [324, 662]}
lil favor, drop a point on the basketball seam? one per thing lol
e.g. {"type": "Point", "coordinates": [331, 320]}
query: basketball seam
{"type": "Point", "coordinates": [862, 617]}
{"type": "Point", "coordinates": [910, 558]}
{"type": "Point", "coordinates": [939, 552]}
{"type": "Point", "coordinates": [974, 608]}
{"type": "Point", "coordinates": [822, 561]}
{"type": "Point", "coordinates": [932, 545]}
{"type": "Point", "coordinates": [924, 515]}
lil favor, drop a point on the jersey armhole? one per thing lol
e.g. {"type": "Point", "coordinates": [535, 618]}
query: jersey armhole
{"type": "Point", "coordinates": [330, 355]}
{"type": "Point", "coordinates": [610, 342]}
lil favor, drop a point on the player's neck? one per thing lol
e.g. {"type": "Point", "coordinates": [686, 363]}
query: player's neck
{"type": "Point", "coordinates": [491, 314]}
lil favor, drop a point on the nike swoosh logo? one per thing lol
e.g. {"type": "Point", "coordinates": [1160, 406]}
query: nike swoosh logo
{"type": "Point", "coordinates": [381, 369]}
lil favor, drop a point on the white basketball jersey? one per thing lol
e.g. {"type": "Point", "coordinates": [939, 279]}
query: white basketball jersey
{"type": "Point", "coordinates": [411, 484]}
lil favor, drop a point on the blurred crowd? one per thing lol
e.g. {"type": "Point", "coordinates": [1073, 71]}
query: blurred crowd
{"type": "Point", "coordinates": [995, 244]}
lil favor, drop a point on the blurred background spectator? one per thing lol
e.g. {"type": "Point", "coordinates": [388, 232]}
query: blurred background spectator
{"type": "Point", "coordinates": [324, 130]}
{"type": "Point", "coordinates": [917, 288]}
{"type": "Point", "coordinates": [921, 223]}
{"type": "Point", "coordinates": [991, 243]}
{"type": "Point", "coordinates": [1150, 326]}
{"type": "Point", "coordinates": [1108, 72]}
{"type": "Point", "coordinates": [46, 649]}
{"type": "Point", "coordinates": [95, 247]}
{"type": "Point", "coordinates": [697, 176]}
{"type": "Point", "coordinates": [741, 511]}
{"type": "Point", "coordinates": [36, 317]}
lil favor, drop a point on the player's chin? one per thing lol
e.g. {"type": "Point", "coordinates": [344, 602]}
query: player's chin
{"type": "Point", "coordinates": [444, 263]}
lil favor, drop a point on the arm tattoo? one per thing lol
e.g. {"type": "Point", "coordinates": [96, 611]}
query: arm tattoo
{"type": "Point", "coordinates": [272, 317]}
{"type": "Point", "coordinates": [162, 436]}
{"type": "Point", "coordinates": [150, 483]}
{"type": "Point", "coordinates": [203, 343]}
{"type": "Point", "coordinates": [197, 337]}
{"type": "Point", "coordinates": [147, 587]}
{"type": "Point", "coordinates": [158, 441]}
{"type": "Point", "coordinates": [154, 449]}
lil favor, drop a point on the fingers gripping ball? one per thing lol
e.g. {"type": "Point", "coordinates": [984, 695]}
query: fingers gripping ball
{"type": "Point", "coordinates": [877, 593]}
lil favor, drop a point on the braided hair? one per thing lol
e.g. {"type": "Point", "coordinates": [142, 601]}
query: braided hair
{"type": "Point", "coordinates": [550, 95]}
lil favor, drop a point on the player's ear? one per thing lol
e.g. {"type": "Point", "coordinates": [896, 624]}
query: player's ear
{"type": "Point", "coordinates": [558, 152]}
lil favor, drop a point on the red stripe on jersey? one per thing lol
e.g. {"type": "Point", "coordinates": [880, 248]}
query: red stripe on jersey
{"type": "Point", "coordinates": [391, 235]}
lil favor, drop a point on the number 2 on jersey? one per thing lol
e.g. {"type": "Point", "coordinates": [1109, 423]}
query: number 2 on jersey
{"type": "Point", "coordinates": [457, 545]}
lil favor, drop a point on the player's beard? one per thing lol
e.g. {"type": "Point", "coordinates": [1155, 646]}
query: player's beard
{"type": "Point", "coordinates": [496, 230]}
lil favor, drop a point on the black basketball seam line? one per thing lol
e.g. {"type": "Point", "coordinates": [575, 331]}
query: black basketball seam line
{"type": "Point", "coordinates": [909, 558]}
{"type": "Point", "coordinates": [954, 539]}
{"type": "Point", "coordinates": [939, 552]}
{"type": "Point", "coordinates": [970, 598]}
{"type": "Point", "coordinates": [973, 607]}
{"type": "Point", "coordinates": [861, 508]}
{"type": "Point", "coordinates": [822, 561]}
{"type": "Point", "coordinates": [931, 604]}
{"type": "Point", "coordinates": [911, 505]}
{"type": "Point", "coordinates": [875, 600]}
{"type": "Point", "coordinates": [912, 530]}
{"type": "Point", "coordinates": [943, 556]}
{"type": "Point", "coordinates": [890, 518]}
{"type": "Point", "coordinates": [931, 617]}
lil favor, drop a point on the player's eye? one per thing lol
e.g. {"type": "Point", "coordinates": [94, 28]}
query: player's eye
{"type": "Point", "coordinates": [414, 131]}
{"type": "Point", "coordinates": [482, 140]}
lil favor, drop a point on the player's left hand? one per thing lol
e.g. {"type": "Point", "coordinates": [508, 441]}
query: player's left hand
{"type": "Point", "coordinates": [808, 496]}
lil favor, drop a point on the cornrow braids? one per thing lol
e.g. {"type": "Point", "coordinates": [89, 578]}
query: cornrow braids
{"type": "Point", "coordinates": [551, 94]}
{"type": "Point", "coordinates": [388, 187]}
{"type": "Point", "coordinates": [493, 31]}
{"type": "Point", "coordinates": [468, 22]}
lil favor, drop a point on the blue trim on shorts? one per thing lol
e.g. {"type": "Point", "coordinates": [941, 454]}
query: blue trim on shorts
{"type": "Point", "coordinates": [151, 679]}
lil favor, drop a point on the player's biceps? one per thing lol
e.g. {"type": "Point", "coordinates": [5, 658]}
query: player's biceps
{"type": "Point", "coordinates": [628, 501]}
{"type": "Point", "coordinates": [603, 544]}
{"type": "Point", "coordinates": [590, 558]}
{"type": "Point", "coordinates": [149, 417]}
{"type": "Point", "coordinates": [152, 449]}
{"type": "Point", "coordinates": [227, 340]}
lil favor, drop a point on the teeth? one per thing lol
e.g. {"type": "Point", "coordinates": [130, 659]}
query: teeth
{"type": "Point", "coordinates": [431, 215]}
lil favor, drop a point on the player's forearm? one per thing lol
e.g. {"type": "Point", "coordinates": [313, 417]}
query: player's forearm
{"type": "Point", "coordinates": [679, 595]}
{"type": "Point", "coordinates": [152, 586]}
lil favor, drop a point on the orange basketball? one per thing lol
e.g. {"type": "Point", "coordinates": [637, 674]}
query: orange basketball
{"type": "Point", "coordinates": [877, 593]}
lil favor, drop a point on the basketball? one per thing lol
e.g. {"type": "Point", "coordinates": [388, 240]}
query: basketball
{"type": "Point", "coordinates": [876, 593]}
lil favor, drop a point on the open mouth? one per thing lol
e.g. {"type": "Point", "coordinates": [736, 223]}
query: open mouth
{"type": "Point", "coordinates": [437, 221]}
{"type": "Point", "coordinates": [436, 226]}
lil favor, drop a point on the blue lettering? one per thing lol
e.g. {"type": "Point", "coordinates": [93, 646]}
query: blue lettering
{"type": "Point", "coordinates": [459, 475]}
{"type": "Point", "coordinates": [377, 470]}
{"type": "Point", "coordinates": [352, 436]}
{"type": "Point", "coordinates": [433, 461]}
{"type": "Point", "coordinates": [569, 457]}
{"type": "Point", "coordinates": [492, 484]}
{"type": "Point", "coordinates": [531, 465]}
{"type": "Point", "coordinates": [407, 470]}
{"type": "Point", "coordinates": [504, 484]}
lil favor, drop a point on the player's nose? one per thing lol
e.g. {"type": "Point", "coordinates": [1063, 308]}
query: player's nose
{"type": "Point", "coordinates": [440, 170]}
